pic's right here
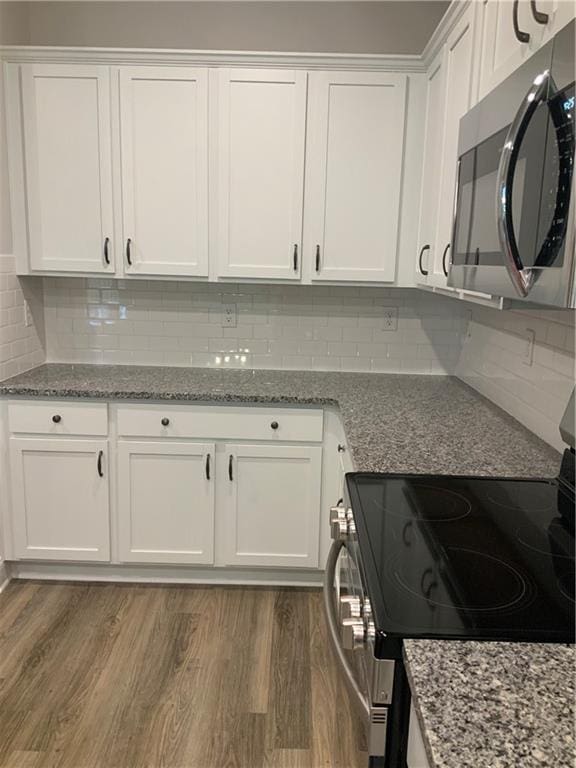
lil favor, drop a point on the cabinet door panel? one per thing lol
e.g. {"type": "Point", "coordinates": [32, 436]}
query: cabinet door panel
{"type": "Point", "coordinates": [458, 65]}
{"type": "Point", "coordinates": [60, 499]}
{"type": "Point", "coordinates": [67, 139]}
{"type": "Point", "coordinates": [354, 174]}
{"type": "Point", "coordinates": [273, 505]}
{"type": "Point", "coordinates": [166, 502]}
{"type": "Point", "coordinates": [164, 116]}
{"type": "Point", "coordinates": [260, 151]}
{"type": "Point", "coordinates": [432, 170]}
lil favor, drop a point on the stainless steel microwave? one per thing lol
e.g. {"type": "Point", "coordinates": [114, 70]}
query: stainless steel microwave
{"type": "Point", "coordinates": [513, 232]}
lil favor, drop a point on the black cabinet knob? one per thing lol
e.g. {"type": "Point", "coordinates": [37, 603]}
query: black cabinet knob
{"type": "Point", "coordinates": [165, 422]}
{"type": "Point", "coordinates": [57, 418]}
{"type": "Point", "coordinates": [341, 448]}
{"type": "Point", "coordinates": [274, 425]}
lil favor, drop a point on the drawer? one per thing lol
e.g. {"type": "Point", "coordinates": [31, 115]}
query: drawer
{"type": "Point", "coordinates": [58, 418]}
{"type": "Point", "coordinates": [221, 422]}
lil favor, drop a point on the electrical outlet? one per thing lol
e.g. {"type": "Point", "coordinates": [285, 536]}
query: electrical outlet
{"type": "Point", "coordinates": [391, 319]}
{"type": "Point", "coordinates": [27, 314]}
{"type": "Point", "coordinates": [528, 355]}
{"type": "Point", "coordinates": [229, 316]}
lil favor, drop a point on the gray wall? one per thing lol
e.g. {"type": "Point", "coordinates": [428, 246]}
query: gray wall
{"type": "Point", "coordinates": [403, 26]}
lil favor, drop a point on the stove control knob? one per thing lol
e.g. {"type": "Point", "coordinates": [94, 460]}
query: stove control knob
{"type": "Point", "coordinates": [352, 634]}
{"type": "Point", "coordinates": [366, 609]}
{"type": "Point", "coordinates": [339, 530]}
{"type": "Point", "coordinates": [350, 607]}
{"type": "Point", "coordinates": [337, 513]}
{"type": "Point", "coordinates": [370, 631]}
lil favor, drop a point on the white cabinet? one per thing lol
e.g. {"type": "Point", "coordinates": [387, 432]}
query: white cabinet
{"type": "Point", "coordinates": [259, 155]}
{"type": "Point", "coordinates": [60, 506]}
{"type": "Point", "coordinates": [164, 129]}
{"type": "Point", "coordinates": [354, 174]}
{"type": "Point", "coordinates": [501, 49]}
{"type": "Point", "coordinates": [272, 505]}
{"type": "Point", "coordinates": [458, 62]}
{"type": "Point", "coordinates": [432, 168]}
{"type": "Point", "coordinates": [416, 757]}
{"type": "Point", "coordinates": [166, 502]}
{"type": "Point", "coordinates": [67, 142]}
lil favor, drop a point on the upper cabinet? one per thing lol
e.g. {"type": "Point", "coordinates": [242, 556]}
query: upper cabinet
{"type": "Point", "coordinates": [354, 174]}
{"type": "Point", "coordinates": [164, 133]}
{"type": "Point", "coordinates": [259, 155]}
{"type": "Point", "coordinates": [512, 30]}
{"type": "Point", "coordinates": [68, 170]}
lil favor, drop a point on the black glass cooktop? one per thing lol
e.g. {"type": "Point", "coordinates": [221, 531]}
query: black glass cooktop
{"type": "Point", "coordinates": [466, 557]}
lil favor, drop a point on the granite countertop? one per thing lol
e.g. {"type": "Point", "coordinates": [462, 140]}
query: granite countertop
{"type": "Point", "coordinates": [494, 705]}
{"type": "Point", "coordinates": [393, 423]}
{"type": "Point", "coordinates": [480, 705]}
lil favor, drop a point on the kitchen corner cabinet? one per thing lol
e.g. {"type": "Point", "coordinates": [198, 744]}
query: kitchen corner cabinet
{"type": "Point", "coordinates": [164, 133]}
{"type": "Point", "coordinates": [354, 174]}
{"type": "Point", "coordinates": [259, 156]}
{"type": "Point", "coordinates": [504, 49]}
{"type": "Point", "coordinates": [67, 143]}
{"type": "Point", "coordinates": [60, 506]}
{"type": "Point", "coordinates": [272, 503]}
{"type": "Point", "coordinates": [166, 502]}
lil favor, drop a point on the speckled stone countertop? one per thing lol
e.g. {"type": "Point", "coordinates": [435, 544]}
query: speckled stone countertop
{"type": "Point", "coordinates": [480, 705]}
{"type": "Point", "coordinates": [423, 424]}
{"type": "Point", "coordinates": [494, 705]}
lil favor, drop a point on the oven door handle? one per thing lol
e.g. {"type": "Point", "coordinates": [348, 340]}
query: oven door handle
{"type": "Point", "coordinates": [522, 277]}
{"type": "Point", "coordinates": [360, 700]}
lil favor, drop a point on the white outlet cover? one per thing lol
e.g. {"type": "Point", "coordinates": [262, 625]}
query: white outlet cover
{"type": "Point", "coordinates": [229, 316]}
{"type": "Point", "coordinates": [390, 318]}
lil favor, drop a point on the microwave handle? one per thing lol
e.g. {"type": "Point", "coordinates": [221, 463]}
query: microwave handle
{"type": "Point", "coordinates": [522, 277]}
{"type": "Point", "coordinates": [358, 696]}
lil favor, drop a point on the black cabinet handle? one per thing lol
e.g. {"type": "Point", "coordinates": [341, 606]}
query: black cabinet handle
{"type": "Point", "coordinates": [274, 425]}
{"type": "Point", "coordinates": [317, 258]}
{"type": "Point", "coordinates": [129, 252]}
{"type": "Point", "coordinates": [207, 466]}
{"type": "Point", "coordinates": [444, 260]}
{"type": "Point", "coordinates": [57, 418]}
{"type": "Point", "coordinates": [295, 257]}
{"type": "Point", "coordinates": [230, 473]}
{"type": "Point", "coordinates": [422, 252]}
{"type": "Point", "coordinates": [427, 590]}
{"type": "Point", "coordinates": [405, 536]}
{"type": "Point", "coordinates": [521, 36]}
{"type": "Point", "coordinates": [341, 448]}
{"type": "Point", "coordinates": [539, 16]}
{"type": "Point", "coordinates": [106, 250]}
{"type": "Point", "coordinates": [165, 422]}
{"type": "Point", "coordinates": [100, 457]}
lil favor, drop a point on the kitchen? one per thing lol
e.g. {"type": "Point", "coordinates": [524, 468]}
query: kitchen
{"type": "Point", "coordinates": [286, 367]}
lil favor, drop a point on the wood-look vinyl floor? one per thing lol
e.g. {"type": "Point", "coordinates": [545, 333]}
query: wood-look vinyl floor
{"type": "Point", "coordinates": [123, 676]}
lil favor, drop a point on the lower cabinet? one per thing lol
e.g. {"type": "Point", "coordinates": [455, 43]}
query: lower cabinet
{"type": "Point", "coordinates": [166, 502]}
{"type": "Point", "coordinates": [271, 496]}
{"type": "Point", "coordinates": [60, 499]}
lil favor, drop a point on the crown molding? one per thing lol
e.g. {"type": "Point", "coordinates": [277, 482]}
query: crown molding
{"type": "Point", "coordinates": [443, 28]}
{"type": "Point", "coordinates": [168, 57]}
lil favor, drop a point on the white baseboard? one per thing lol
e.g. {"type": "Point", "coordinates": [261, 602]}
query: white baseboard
{"type": "Point", "coordinates": [5, 576]}
{"type": "Point", "coordinates": [144, 574]}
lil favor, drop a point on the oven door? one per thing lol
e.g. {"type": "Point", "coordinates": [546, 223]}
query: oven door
{"type": "Point", "coordinates": [513, 224]}
{"type": "Point", "coordinates": [362, 676]}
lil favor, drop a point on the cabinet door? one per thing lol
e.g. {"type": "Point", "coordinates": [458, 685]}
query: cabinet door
{"type": "Point", "coordinates": [458, 66]}
{"type": "Point", "coordinates": [67, 140]}
{"type": "Point", "coordinates": [260, 159]}
{"type": "Point", "coordinates": [354, 175]}
{"type": "Point", "coordinates": [432, 169]}
{"type": "Point", "coordinates": [272, 500]}
{"type": "Point", "coordinates": [166, 502]}
{"type": "Point", "coordinates": [501, 51]}
{"type": "Point", "coordinates": [164, 120]}
{"type": "Point", "coordinates": [60, 499]}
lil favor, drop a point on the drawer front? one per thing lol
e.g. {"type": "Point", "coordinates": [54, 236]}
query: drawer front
{"type": "Point", "coordinates": [221, 422]}
{"type": "Point", "coordinates": [58, 418]}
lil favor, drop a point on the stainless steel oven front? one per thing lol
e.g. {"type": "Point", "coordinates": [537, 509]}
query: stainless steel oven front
{"type": "Point", "coordinates": [513, 232]}
{"type": "Point", "coordinates": [369, 681]}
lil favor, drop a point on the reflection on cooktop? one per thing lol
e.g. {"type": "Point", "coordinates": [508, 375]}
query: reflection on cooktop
{"type": "Point", "coordinates": [535, 499]}
{"type": "Point", "coordinates": [555, 541]}
{"type": "Point", "coordinates": [430, 504]}
{"type": "Point", "coordinates": [567, 586]}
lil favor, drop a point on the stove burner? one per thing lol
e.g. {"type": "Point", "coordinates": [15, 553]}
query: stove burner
{"type": "Point", "coordinates": [537, 498]}
{"type": "Point", "coordinates": [567, 586]}
{"type": "Point", "coordinates": [431, 504]}
{"type": "Point", "coordinates": [554, 541]}
{"type": "Point", "coordinates": [484, 582]}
